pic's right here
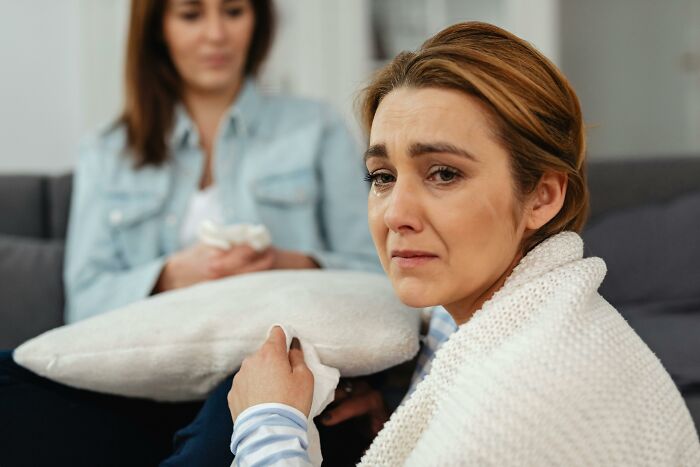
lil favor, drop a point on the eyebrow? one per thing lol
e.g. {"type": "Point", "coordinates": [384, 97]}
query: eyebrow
{"type": "Point", "coordinates": [199, 2]}
{"type": "Point", "coordinates": [421, 149]}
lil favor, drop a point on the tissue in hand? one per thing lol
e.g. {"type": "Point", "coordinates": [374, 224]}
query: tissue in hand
{"type": "Point", "coordinates": [254, 235]}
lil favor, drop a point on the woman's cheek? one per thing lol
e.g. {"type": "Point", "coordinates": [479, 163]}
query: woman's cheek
{"type": "Point", "coordinates": [377, 228]}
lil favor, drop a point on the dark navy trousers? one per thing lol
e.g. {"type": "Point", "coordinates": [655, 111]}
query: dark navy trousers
{"type": "Point", "coordinates": [43, 423]}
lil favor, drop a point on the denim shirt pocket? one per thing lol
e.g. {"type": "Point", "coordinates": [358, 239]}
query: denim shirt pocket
{"type": "Point", "coordinates": [295, 188]}
{"type": "Point", "coordinates": [135, 221]}
{"type": "Point", "coordinates": [286, 203]}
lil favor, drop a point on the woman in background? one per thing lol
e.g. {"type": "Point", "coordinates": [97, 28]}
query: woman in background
{"type": "Point", "coordinates": [477, 163]}
{"type": "Point", "coordinates": [197, 140]}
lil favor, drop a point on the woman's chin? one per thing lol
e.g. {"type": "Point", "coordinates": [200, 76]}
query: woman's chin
{"type": "Point", "coordinates": [215, 81]}
{"type": "Point", "coordinates": [416, 295]}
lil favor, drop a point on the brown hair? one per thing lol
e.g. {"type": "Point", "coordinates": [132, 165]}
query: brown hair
{"type": "Point", "coordinates": [152, 84]}
{"type": "Point", "coordinates": [536, 114]}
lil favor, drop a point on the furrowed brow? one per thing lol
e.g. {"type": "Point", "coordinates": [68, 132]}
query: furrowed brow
{"type": "Point", "coordinates": [376, 150]}
{"type": "Point", "coordinates": [421, 149]}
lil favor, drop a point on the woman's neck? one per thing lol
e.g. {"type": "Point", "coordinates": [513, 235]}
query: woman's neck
{"type": "Point", "coordinates": [464, 309]}
{"type": "Point", "coordinates": [206, 109]}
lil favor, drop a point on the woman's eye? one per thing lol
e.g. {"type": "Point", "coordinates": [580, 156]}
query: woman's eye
{"type": "Point", "coordinates": [443, 175]}
{"type": "Point", "coordinates": [379, 179]}
{"type": "Point", "coordinates": [234, 12]}
{"type": "Point", "coordinates": [189, 15]}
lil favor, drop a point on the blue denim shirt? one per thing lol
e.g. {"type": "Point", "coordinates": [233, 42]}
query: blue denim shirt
{"type": "Point", "coordinates": [284, 162]}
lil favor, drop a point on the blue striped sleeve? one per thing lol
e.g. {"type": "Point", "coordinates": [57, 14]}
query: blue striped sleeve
{"type": "Point", "coordinates": [442, 326]}
{"type": "Point", "coordinates": [270, 434]}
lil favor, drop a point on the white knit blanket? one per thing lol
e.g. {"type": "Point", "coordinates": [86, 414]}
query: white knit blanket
{"type": "Point", "coordinates": [546, 373]}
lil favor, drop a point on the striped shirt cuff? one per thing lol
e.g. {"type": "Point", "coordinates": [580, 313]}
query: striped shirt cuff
{"type": "Point", "coordinates": [270, 434]}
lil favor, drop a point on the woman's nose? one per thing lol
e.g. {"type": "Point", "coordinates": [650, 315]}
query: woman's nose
{"type": "Point", "coordinates": [403, 212]}
{"type": "Point", "coordinates": [214, 27]}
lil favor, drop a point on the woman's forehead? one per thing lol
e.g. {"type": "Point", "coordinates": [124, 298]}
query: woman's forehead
{"type": "Point", "coordinates": [431, 116]}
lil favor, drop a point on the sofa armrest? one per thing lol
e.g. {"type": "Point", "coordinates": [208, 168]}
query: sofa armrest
{"type": "Point", "coordinates": [31, 289]}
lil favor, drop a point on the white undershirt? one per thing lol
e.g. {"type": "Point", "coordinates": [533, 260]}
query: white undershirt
{"type": "Point", "coordinates": [204, 205]}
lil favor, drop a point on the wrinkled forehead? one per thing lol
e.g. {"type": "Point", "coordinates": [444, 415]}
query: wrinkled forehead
{"type": "Point", "coordinates": [407, 117]}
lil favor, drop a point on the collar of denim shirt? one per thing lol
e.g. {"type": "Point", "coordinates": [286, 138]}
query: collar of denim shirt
{"type": "Point", "coordinates": [241, 117]}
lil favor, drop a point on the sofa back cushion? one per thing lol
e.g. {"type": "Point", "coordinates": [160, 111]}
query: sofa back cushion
{"type": "Point", "coordinates": [22, 206]}
{"type": "Point", "coordinates": [58, 196]}
{"type": "Point", "coordinates": [652, 251]}
{"type": "Point", "coordinates": [621, 184]}
{"type": "Point", "coordinates": [34, 206]}
{"type": "Point", "coordinates": [31, 288]}
{"type": "Point", "coordinates": [653, 258]}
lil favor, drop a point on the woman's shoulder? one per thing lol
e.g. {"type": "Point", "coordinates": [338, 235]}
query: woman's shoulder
{"type": "Point", "coordinates": [104, 149]}
{"type": "Point", "coordinates": [285, 112]}
{"type": "Point", "coordinates": [106, 137]}
{"type": "Point", "coordinates": [584, 380]}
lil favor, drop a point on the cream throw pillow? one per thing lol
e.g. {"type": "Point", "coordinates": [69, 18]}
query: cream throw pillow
{"type": "Point", "coordinates": [179, 345]}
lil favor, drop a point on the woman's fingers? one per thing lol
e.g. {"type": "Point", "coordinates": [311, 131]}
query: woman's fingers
{"type": "Point", "coordinates": [273, 375]}
{"type": "Point", "coordinates": [277, 340]}
{"type": "Point", "coordinates": [296, 356]}
{"type": "Point", "coordinates": [262, 262]}
{"type": "Point", "coordinates": [340, 395]}
{"type": "Point", "coordinates": [354, 388]}
{"type": "Point", "coordinates": [354, 406]}
{"type": "Point", "coordinates": [231, 261]}
{"type": "Point", "coordinates": [242, 260]}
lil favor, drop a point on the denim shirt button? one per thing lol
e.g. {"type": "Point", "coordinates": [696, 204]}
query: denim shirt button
{"type": "Point", "coordinates": [171, 219]}
{"type": "Point", "coordinates": [115, 217]}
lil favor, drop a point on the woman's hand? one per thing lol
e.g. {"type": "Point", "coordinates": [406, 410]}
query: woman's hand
{"type": "Point", "coordinates": [201, 262]}
{"type": "Point", "coordinates": [285, 259]}
{"type": "Point", "coordinates": [356, 398]}
{"type": "Point", "coordinates": [273, 375]}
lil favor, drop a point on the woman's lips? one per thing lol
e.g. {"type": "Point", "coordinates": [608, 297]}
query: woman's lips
{"type": "Point", "coordinates": [411, 259]}
{"type": "Point", "coordinates": [216, 61]}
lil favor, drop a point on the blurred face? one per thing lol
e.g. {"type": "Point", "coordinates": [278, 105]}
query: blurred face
{"type": "Point", "coordinates": [442, 206]}
{"type": "Point", "coordinates": [208, 41]}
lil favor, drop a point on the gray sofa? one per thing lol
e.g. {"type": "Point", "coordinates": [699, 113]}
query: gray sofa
{"type": "Point", "coordinates": [645, 222]}
{"type": "Point", "coordinates": [33, 219]}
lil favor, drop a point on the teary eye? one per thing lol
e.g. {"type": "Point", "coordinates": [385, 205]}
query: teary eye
{"type": "Point", "coordinates": [378, 178]}
{"type": "Point", "coordinates": [443, 174]}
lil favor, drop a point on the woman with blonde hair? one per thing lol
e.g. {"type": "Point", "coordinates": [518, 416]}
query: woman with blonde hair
{"type": "Point", "coordinates": [477, 162]}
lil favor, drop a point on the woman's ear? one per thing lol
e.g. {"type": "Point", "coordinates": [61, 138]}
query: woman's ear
{"type": "Point", "coordinates": [546, 200]}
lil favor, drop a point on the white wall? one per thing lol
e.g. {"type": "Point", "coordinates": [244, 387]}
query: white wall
{"type": "Point", "coordinates": [322, 50]}
{"type": "Point", "coordinates": [40, 83]}
{"type": "Point", "coordinates": [103, 26]}
{"type": "Point", "coordinates": [62, 65]}
{"type": "Point", "coordinates": [61, 77]}
{"type": "Point", "coordinates": [536, 21]}
{"type": "Point", "coordinates": [625, 59]}
{"type": "Point", "coordinates": [63, 60]}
